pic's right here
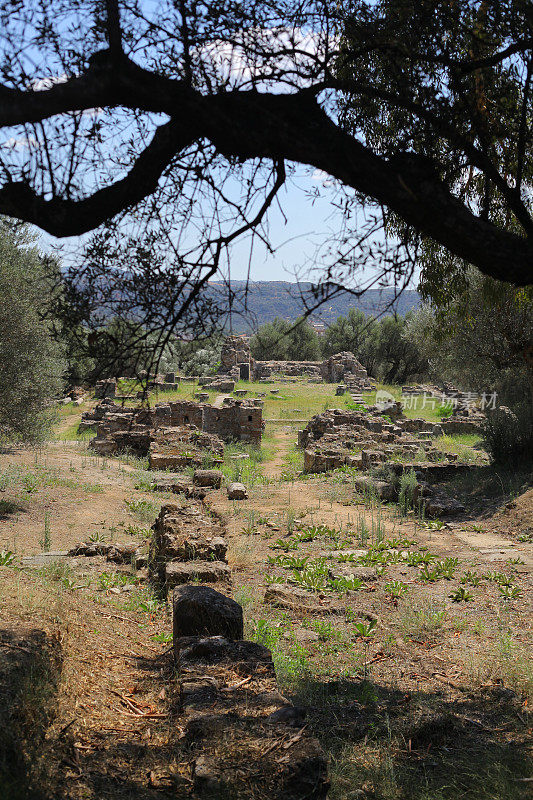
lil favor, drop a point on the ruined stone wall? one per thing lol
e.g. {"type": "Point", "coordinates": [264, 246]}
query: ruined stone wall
{"type": "Point", "coordinates": [235, 355]}
{"type": "Point", "coordinates": [341, 367]}
{"type": "Point", "coordinates": [344, 367]}
{"type": "Point", "coordinates": [120, 429]}
{"type": "Point", "coordinates": [264, 369]}
{"type": "Point", "coordinates": [237, 421]}
{"type": "Point", "coordinates": [185, 412]}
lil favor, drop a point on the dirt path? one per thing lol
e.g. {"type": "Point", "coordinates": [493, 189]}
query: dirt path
{"type": "Point", "coordinates": [283, 438]}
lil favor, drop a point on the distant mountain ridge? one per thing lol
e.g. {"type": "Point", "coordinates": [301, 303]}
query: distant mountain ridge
{"type": "Point", "coordinates": [269, 299]}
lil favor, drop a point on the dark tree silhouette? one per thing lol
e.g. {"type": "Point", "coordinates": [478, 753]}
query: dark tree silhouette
{"type": "Point", "coordinates": [181, 120]}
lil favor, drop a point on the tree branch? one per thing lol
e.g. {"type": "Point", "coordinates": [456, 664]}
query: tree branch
{"type": "Point", "coordinates": [250, 125]}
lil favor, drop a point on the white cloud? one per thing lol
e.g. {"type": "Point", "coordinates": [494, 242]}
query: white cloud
{"type": "Point", "coordinates": [41, 84]}
{"type": "Point", "coordinates": [20, 143]}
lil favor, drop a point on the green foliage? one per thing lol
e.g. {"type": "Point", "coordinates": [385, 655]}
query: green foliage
{"type": "Point", "coordinates": [461, 595]}
{"type": "Point", "coordinates": [31, 363]}
{"type": "Point", "coordinates": [396, 589]}
{"type": "Point", "coordinates": [144, 510]}
{"type": "Point", "coordinates": [365, 629]}
{"type": "Point", "coordinates": [6, 558]}
{"type": "Point", "coordinates": [407, 492]}
{"type": "Point", "coordinates": [510, 592]}
{"type": "Point", "coordinates": [508, 435]}
{"type": "Point", "coordinates": [356, 333]}
{"type": "Point", "coordinates": [479, 338]}
{"type": "Point", "coordinates": [280, 340]}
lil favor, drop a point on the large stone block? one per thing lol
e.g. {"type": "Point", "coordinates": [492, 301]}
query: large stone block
{"type": "Point", "coordinates": [237, 491]}
{"type": "Point", "coordinates": [178, 572]}
{"type": "Point", "coordinates": [202, 611]}
{"type": "Point", "coordinates": [212, 478]}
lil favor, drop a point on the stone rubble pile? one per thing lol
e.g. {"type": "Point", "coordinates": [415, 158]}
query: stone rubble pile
{"type": "Point", "coordinates": [365, 440]}
{"type": "Point", "coordinates": [131, 553]}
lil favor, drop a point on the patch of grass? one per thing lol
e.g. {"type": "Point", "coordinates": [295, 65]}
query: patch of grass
{"type": "Point", "coordinates": [109, 580]}
{"type": "Point", "coordinates": [243, 463]}
{"type": "Point", "coordinates": [465, 446]}
{"type": "Point", "coordinates": [419, 619]}
{"type": "Point", "coordinates": [144, 510]}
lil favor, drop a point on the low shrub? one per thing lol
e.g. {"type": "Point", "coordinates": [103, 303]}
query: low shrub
{"type": "Point", "coordinates": [508, 435]}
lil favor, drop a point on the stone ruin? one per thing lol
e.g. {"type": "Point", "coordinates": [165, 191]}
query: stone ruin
{"type": "Point", "coordinates": [341, 367]}
{"type": "Point", "coordinates": [105, 388]}
{"type": "Point", "coordinates": [235, 359]}
{"type": "Point", "coordinates": [365, 440]}
{"type": "Point", "coordinates": [176, 434]}
{"type": "Point", "coordinates": [236, 363]}
{"type": "Point", "coordinates": [360, 439]}
{"type": "Point", "coordinates": [467, 418]}
{"type": "Point", "coordinates": [230, 705]}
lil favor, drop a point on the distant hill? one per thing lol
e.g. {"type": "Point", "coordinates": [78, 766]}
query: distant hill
{"type": "Point", "coordinates": [269, 299]}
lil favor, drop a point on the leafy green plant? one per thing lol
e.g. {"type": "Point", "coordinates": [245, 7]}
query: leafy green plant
{"type": "Point", "coordinates": [429, 574]}
{"type": "Point", "coordinates": [413, 558]}
{"type": "Point", "coordinates": [365, 630]}
{"type": "Point", "coordinates": [343, 584]}
{"type": "Point", "coordinates": [6, 558]}
{"type": "Point", "coordinates": [407, 491]}
{"type": "Point", "coordinates": [284, 544]}
{"type": "Point", "coordinates": [447, 567]}
{"type": "Point", "coordinates": [145, 510]}
{"type": "Point", "coordinates": [97, 537]}
{"type": "Point", "coordinates": [267, 633]}
{"type": "Point", "coordinates": [510, 592]}
{"type": "Point", "coordinates": [164, 638]}
{"type": "Point", "coordinates": [500, 578]}
{"type": "Point", "coordinates": [109, 580]}
{"type": "Point", "coordinates": [314, 575]}
{"type": "Point", "coordinates": [461, 595]}
{"type": "Point", "coordinates": [472, 578]}
{"type": "Point", "coordinates": [396, 589]}
{"type": "Point", "coordinates": [325, 630]}
{"type": "Point", "coordinates": [288, 562]}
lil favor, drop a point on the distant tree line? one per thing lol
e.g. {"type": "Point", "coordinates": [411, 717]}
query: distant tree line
{"type": "Point", "coordinates": [383, 346]}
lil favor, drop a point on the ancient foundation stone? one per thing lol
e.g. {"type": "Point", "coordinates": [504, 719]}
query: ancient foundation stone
{"type": "Point", "coordinates": [212, 478]}
{"type": "Point", "coordinates": [237, 491]}
{"type": "Point", "coordinates": [178, 572]}
{"type": "Point", "coordinates": [202, 611]}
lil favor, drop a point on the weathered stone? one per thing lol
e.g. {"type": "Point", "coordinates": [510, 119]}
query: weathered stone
{"type": "Point", "coordinates": [177, 572]}
{"type": "Point", "coordinates": [221, 386]}
{"type": "Point", "coordinates": [207, 778]}
{"type": "Point", "coordinates": [349, 570]}
{"type": "Point", "coordinates": [440, 505]}
{"type": "Point", "coordinates": [248, 656]}
{"type": "Point", "coordinates": [237, 491]}
{"type": "Point", "coordinates": [105, 388]}
{"type": "Point", "coordinates": [285, 596]}
{"type": "Point", "coordinates": [294, 716]}
{"type": "Point", "coordinates": [123, 553]}
{"type": "Point", "coordinates": [212, 478]}
{"type": "Point", "coordinates": [202, 611]}
{"type": "Point", "coordinates": [177, 484]}
{"type": "Point", "coordinates": [382, 489]}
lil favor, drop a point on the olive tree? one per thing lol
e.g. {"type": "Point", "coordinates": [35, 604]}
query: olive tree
{"type": "Point", "coordinates": [31, 362]}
